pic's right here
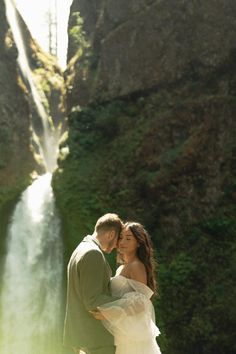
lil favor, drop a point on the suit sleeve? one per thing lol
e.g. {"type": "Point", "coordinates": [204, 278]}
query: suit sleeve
{"type": "Point", "coordinates": [92, 274]}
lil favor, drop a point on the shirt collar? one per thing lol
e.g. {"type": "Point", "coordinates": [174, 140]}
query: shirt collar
{"type": "Point", "coordinates": [93, 239]}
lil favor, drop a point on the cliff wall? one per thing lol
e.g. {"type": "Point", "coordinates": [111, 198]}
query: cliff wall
{"type": "Point", "coordinates": [151, 94]}
{"type": "Point", "coordinates": [16, 160]}
{"type": "Point", "coordinates": [164, 41]}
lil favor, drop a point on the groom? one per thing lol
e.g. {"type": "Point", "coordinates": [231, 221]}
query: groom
{"type": "Point", "coordinates": [88, 277]}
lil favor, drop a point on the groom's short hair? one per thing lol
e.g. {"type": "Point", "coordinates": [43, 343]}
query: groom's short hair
{"type": "Point", "coordinates": [108, 222]}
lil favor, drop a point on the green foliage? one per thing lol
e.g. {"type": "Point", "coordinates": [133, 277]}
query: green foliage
{"type": "Point", "coordinates": [198, 290]}
{"type": "Point", "coordinates": [92, 125]}
{"type": "Point", "coordinates": [4, 135]}
{"type": "Point", "coordinates": [116, 163]}
{"type": "Point", "coordinates": [171, 155]}
{"type": "Point", "coordinates": [77, 33]}
{"type": "Point", "coordinates": [11, 193]}
{"type": "Point", "coordinates": [42, 80]}
{"type": "Point", "coordinates": [219, 227]}
{"type": "Point", "coordinates": [5, 145]}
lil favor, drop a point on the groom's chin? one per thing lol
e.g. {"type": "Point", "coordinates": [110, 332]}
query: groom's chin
{"type": "Point", "coordinates": [107, 250]}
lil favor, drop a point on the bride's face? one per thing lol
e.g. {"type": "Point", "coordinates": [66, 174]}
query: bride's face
{"type": "Point", "coordinates": [127, 243]}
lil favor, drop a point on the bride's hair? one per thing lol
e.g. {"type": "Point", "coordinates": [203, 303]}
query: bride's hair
{"type": "Point", "coordinates": [144, 251]}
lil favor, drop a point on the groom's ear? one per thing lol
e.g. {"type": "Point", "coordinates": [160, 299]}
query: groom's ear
{"type": "Point", "coordinates": [112, 234]}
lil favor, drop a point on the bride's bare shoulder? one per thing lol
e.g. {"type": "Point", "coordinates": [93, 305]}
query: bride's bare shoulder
{"type": "Point", "coordinates": [138, 272]}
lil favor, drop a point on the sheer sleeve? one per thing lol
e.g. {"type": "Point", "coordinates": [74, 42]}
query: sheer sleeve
{"type": "Point", "coordinates": [132, 316]}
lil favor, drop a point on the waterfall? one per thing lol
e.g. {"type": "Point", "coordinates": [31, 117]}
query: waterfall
{"type": "Point", "coordinates": [30, 299]}
{"type": "Point", "coordinates": [48, 143]}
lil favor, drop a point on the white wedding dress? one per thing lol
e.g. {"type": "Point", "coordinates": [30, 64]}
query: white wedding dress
{"type": "Point", "coordinates": [131, 319]}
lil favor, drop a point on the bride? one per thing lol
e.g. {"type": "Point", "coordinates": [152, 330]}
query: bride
{"type": "Point", "coordinates": [131, 318]}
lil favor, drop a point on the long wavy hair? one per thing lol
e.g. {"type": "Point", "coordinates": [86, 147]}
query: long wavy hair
{"type": "Point", "coordinates": [145, 252]}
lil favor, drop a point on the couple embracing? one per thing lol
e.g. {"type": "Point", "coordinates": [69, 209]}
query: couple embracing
{"type": "Point", "coordinates": [107, 315]}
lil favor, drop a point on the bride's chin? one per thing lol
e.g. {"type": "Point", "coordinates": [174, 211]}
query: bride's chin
{"type": "Point", "coordinates": [123, 254]}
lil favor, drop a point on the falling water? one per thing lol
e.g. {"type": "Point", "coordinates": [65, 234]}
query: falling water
{"type": "Point", "coordinates": [30, 307]}
{"type": "Point", "coordinates": [31, 299]}
{"type": "Point", "coordinates": [48, 144]}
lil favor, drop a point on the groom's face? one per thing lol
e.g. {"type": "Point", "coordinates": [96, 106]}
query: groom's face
{"type": "Point", "coordinates": [109, 241]}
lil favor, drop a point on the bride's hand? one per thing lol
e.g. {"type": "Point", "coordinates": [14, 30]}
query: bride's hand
{"type": "Point", "coordinates": [97, 314]}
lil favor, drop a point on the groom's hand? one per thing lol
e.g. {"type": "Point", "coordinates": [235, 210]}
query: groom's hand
{"type": "Point", "coordinates": [97, 315]}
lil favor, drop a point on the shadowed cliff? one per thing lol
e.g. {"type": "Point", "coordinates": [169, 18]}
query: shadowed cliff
{"type": "Point", "coordinates": [16, 159]}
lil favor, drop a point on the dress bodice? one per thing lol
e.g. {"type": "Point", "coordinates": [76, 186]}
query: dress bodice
{"type": "Point", "coordinates": [120, 286]}
{"type": "Point", "coordinates": [131, 318]}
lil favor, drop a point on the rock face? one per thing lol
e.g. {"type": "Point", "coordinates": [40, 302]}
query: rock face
{"type": "Point", "coordinates": [151, 94]}
{"type": "Point", "coordinates": [139, 45]}
{"type": "Point", "coordinates": [15, 156]}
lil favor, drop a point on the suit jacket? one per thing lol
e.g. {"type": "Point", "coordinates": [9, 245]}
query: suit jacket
{"type": "Point", "coordinates": [88, 276]}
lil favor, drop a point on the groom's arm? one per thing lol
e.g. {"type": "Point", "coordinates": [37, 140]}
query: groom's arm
{"type": "Point", "coordinates": [92, 271]}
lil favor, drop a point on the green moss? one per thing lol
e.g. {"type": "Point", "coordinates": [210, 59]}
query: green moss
{"type": "Point", "coordinates": [203, 272]}
{"type": "Point", "coordinates": [77, 33]}
{"type": "Point", "coordinates": [170, 155]}
{"type": "Point", "coordinates": [5, 145]}
{"type": "Point", "coordinates": [9, 194]}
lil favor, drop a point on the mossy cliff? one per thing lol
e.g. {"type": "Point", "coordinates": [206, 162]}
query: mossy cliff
{"type": "Point", "coordinates": [16, 159]}
{"type": "Point", "coordinates": [151, 98]}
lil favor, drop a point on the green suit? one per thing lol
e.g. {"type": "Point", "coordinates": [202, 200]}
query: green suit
{"type": "Point", "coordinates": [88, 276]}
